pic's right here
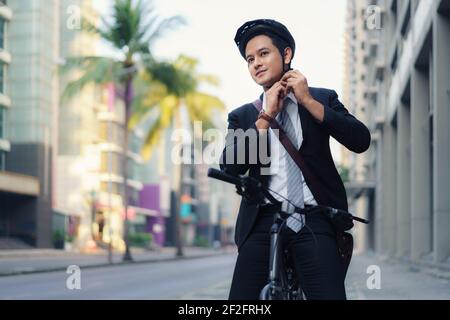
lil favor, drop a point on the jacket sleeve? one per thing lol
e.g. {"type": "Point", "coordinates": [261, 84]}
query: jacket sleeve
{"type": "Point", "coordinates": [344, 127]}
{"type": "Point", "coordinates": [240, 147]}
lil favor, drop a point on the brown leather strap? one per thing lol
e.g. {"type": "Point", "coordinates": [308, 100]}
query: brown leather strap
{"type": "Point", "coordinates": [310, 178]}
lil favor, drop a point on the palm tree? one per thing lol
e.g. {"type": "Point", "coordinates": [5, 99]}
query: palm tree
{"type": "Point", "coordinates": [179, 89]}
{"type": "Point", "coordinates": [130, 31]}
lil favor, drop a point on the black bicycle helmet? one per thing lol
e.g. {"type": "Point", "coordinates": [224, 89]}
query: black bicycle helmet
{"type": "Point", "coordinates": [262, 26]}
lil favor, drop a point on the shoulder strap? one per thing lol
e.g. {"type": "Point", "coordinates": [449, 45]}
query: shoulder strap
{"type": "Point", "coordinates": [311, 180]}
{"type": "Point", "coordinates": [258, 105]}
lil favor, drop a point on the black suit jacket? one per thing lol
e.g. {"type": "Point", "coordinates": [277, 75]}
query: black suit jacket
{"type": "Point", "coordinates": [315, 149]}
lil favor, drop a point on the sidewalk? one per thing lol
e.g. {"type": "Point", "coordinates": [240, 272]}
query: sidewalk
{"type": "Point", "coordinates": [14, 262]}
{"type": "Point", "coordinates": [399, 279]}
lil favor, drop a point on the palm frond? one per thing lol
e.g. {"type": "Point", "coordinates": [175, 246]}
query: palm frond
{"type": "Point", "coordinates": [103, 31]}
{"type": "Point", "coordinates": [168, 107]}
{"type": "Point", "coordinates": [145, 100]}
{"type": "Point", "coordinates": [177, 81]}
{"type": "Point", "coordinates": [163, 26]}
{"type": "Point", "coordinates": [97, 70]}
{"type": "Point", "coordinates": [126, 22]}
{"type": "Point", "coordinates": [200, 106]}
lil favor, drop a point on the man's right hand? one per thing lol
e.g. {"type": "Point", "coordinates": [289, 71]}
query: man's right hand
{"type": "Point", "coordinates": [274, 99]}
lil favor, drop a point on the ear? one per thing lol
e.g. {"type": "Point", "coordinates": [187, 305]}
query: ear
{"type": "Point", "coordinates": [287, 58]}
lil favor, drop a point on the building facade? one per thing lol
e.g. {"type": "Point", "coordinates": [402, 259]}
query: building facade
{"type": "Point", "coordinates": [60, 160]}
{"type": "Point", "coordinates": [360, 183]}
{"type": "Point", "coordinates": [407, 93]}
{"type": "Point", "coordinates": [30, 33]}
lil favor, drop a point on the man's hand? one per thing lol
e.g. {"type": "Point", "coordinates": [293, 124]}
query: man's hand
{"type": "Point", "coordinates": [274, 98]}
{"type": "Point", "coordinates": [296, 82]}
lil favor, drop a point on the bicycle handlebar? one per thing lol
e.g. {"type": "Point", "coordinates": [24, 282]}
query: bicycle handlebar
{"type": "Point", "coordinates": [241, 181]}
{"type": "Point", "coordinates": [222, 176]}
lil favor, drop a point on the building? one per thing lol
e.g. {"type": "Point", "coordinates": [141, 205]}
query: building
{"type": "Point", "coordinates": [77, 162]}
{"type": "Point", "coordinates": [407, 95]}
{"type": "Point", "coordinates": [110, 214]}
{"type": "Point", "coordinates": [60, 161]}
{"type": "Point", "coordinates": [30, 87]}
{"type": "Point", "coordinates": [359, 184]}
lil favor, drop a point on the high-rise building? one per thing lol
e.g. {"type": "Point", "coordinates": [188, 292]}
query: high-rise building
{"type": "Point", "coordinates": [90, 170]}
{"type": "Point", "coordinates": [31, 84]}
{"type": "Point", "coordinates": [407, 97]}
{"type": "Point", "coordinates": [20, 190]}
{"type": "Point", "coordinates": [54, 154]}
{"type": "Point", "coordinates": [359, 184]}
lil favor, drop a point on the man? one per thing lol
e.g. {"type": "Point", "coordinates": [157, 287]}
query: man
{"type": "Point", "coordinates": [309, 116]}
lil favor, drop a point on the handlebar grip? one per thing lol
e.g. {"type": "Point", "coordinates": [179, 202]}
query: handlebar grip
{"type": "Point", "coordinates": [225, 177]}
{"type": "Point", "coordinates": [353, 217]}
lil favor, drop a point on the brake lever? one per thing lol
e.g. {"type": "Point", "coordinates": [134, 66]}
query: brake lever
{"type": "Point", "coordinates": [248, 189]}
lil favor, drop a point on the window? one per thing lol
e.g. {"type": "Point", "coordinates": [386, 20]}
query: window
{"type": "Point", "coordinates": [116, 163]}
{"type": "Point", "coordinates": [2, 33]}
{"type": "Point", "coordinates": [2, 122]}
{"type": "Point", "coordinates": [116, 134]}
{"type": "Point", "coordinates": [2, 160]}
{"type": "Point", "coordinates": [394, 61]}
{"type": "Point", "coordinates": [115, 187]}
{"type": "Point", "coordinates": [2, 78]}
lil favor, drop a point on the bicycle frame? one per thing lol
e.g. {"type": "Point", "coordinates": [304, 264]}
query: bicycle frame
{"type": "Point", "coordinates": [283, 284]}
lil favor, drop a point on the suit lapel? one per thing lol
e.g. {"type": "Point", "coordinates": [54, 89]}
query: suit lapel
{"type": "Point", "coordinates": [304, 120]}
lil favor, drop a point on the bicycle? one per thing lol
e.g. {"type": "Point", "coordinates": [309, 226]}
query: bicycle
{"type": "Point", "coordinates": [283, 283]}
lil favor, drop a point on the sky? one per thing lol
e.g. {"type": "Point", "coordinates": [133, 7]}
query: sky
{"type": "Point", "coordinates": [317, 26]}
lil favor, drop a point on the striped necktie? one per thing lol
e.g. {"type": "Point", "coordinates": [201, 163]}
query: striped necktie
{"type": "Point", "coordinates": [293, 172]}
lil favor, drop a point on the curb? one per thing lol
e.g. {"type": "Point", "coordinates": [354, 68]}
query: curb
{"type": "Point", "coordinates": [114, 264]}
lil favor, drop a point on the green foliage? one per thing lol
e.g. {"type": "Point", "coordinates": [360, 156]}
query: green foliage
{"type": "Point", "coordinates": [140, 239]}
{"type": "Point", "coordinates": [58, 239]}
{"type": "Point", "coordinates": [58, 235]}
{"type": "Point", "coordinates": [131, 30]}
{"type": "Point", "coordinates": [200, 241]}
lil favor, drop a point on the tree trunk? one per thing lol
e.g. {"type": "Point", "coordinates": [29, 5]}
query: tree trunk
{"type": "Point", "coordinates": [128, 99]}
{"type": "Point", "coordinates": [178, 185]}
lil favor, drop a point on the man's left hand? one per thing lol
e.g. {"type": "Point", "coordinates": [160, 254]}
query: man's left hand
{"type": "Point", "coordinates": [297, 83]}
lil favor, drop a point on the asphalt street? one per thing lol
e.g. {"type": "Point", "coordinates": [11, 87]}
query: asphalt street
{"type": "Point", "coordinates": [208, 278]}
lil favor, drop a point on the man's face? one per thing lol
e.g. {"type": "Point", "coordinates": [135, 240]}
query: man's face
{"type": "Point", "coordinates": [264, 60]}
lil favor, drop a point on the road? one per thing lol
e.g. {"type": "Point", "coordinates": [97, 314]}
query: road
{"type": "Point", "coordinates": [201, 278]}
{"type": "Point", "coordinates": [208, 278]}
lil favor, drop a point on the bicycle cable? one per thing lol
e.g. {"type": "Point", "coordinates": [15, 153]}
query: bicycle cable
{"type": "Point", "coordinates": [295, 218]}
